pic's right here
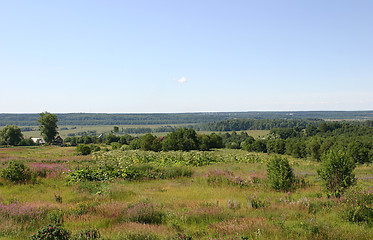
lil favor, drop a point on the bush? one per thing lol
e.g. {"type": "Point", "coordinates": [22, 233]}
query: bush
{"type": "Point", "coordinates": [83, 149]}
{"type": "Point", "coordinates": [50, 232]}
{"type": "Point", "coordinates": [95, 148]}
{"type": "Point", "coordinates": [336, 171]}
{"type": "Point", "coordinates": [280, 175]}
{"type": "Point", "coordinates": [16, 172]}
{"type": "Point", "coordinates": [358, 205]}
{"type": "Point", "coordinates": [115, 145]}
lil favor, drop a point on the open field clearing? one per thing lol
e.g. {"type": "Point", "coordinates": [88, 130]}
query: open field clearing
{"type": "Point", "coordinates": [220, 194]}
{"type": "Point", "coordinates": [65, 131]}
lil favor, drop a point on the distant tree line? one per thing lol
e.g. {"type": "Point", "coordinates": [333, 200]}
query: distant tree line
{"type": "Point", "coordinates": [176, 118]}
{"type": "Point", "coordinates": [257, 124]}
{"type": "Point", "coordinates": [183, 139]}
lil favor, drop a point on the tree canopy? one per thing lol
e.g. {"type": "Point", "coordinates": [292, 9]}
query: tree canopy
{"type": "Point", "coordinates": [11, 135]}
{"type": "Point", "coordinates": [48, 126]}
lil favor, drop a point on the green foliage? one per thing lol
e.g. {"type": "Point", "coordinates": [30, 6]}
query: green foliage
{"type": "Point", "coordinates": [135, 144]}
{"type": "Point", "coordinates": [358, 152]}
{"type": "Point", "coordinates": [87, 234]}
{"type": "Point", "coordinates": [336, 171]}
{"type": "Point", "coordinates": [83, 149]}
{"type": "Point", "coordinates": [358, 205]}
{"type": "Point", "coordinates": [280, 174]}
{"type": "Point", "coordinates": [11, 135]}
{"type": "Point", "coordinates": [16, 172]}
{"type": "Point", "coordinates": [141, 236]}
{"type": "Point", "coordinates": [95, 148]}
{"type": "Point", "coordinates": [111, 138]}
{"type": "Point", "coordinates": [116, 129]}
{"type": "Point", "coordinates": [184, 139]}
{"type": "Point", "coordinates": [115, 145]}
{"type": "Point", "coordinates": [51, 232]}
{"type": "Point", "coordinates": [144, 212]}
{"type": "Point", "coordinates": [48, 126]}
{"type": "Point", "coordinates": [256, 202]}
{"type": "Point", "coordinates": [138, 172]}
{"type": "Point", "coordinates": [150, 143]}
{"type": "Point", "coordinates": [55, 217]}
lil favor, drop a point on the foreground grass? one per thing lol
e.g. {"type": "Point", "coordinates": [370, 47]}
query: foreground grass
{"type": "Point", "coordinates": [191, 206]}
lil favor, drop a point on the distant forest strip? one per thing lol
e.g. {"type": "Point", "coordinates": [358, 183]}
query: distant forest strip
{"type": "Point", "coordinates": [258, 124]}
{"type": "Point", "coordinates": [177, 118]}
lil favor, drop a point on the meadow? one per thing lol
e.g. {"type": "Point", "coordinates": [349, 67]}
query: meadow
{"type": "Point", "coordinates": [77, 130]}
{"type": "Point", "coordinates": [133, 194]}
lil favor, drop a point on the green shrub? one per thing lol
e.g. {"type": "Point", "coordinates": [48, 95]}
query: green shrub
{"type": "Point", "coordinates": [115, 145]}
{"type": "Point", "coordinates": [95, 148]}
{"type": "Point", "coordinates": [51, 232]}
{"type": "Point", "coordinates": [280, 175]}
{"type": "Point", "coordinates": [336, 171]}
{"type": "Point", "coordinates": [16, 172]}
{"type": "Point", "coordinates": [83, 149]}
{"type": "Point", "coordinates": [358, 205]}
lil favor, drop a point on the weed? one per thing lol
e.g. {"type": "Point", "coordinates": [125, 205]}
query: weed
{"type": "Point", "coordinates": [144, 212]}
{"type": "Point", "coordinates": [50, 232]}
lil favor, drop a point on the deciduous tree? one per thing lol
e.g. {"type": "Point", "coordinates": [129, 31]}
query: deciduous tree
{"type": "Point", "coordinates": [48, 126]}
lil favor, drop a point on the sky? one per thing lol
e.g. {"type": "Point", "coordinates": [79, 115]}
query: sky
{"type": "Point", "coordinates": [147, 56]}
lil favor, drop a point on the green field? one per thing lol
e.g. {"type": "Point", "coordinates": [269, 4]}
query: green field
{"type": "Point", "coordinates": [64, 131]}
{"type": "Point", "coordinates": [197, 206]}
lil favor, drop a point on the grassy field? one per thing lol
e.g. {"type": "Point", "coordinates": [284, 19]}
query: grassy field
{"type": "Point", "coordinates": [64, 131]}
{"type": "Point", "coordinates": [226, 199]}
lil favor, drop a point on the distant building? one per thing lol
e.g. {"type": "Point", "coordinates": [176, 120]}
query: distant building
{"type": "Point", "coordinates": [58, 140]}
{"type": "Point", "coordinates": [38, 140]}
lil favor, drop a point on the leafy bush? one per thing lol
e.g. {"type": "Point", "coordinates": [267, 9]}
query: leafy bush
{"type": "Point", "coordinates": [87, 234]}
{"type": "Point", "coordinates": [95, 148]}
{"type": "Point", "coordinates": [358, 205]}
{"type": "Point", "coordinates": [83, 149]}
{"type": "Point", "coordinates": [280, 174]}
{"type": "Point", "coordinates": [16, 172]}
{"type": "Point", "coordinates": [115, 145]}
{"type": "Point", "coordinates": [336, 171]}
{"type": "Point", "coordinates": [51, 232]}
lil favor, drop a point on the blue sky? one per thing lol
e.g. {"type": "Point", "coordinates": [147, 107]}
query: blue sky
{"type": "Point", "coordinates": [185, 56]}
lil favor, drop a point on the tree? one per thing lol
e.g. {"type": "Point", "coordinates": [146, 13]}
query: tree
{"type": "Point", "coordinates": [116, 129]}
{"type": "Point", "coordinates": [48, 126]}
{"type": "Point", "coordinates": [358, 152]}
{"type": "Point", "coordinates": [150, 142]}
{"type": "Point", "coordinates": [184, 139]}
{"type": "Point", "coordinates": [11, 135]}
{"type": "Point", "coordinates": [336, 171]}
{"type": "Point", "coordinates": [280, 174]}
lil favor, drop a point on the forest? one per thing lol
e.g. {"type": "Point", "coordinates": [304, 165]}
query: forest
{"type": "Point", "coordinates": [177, 118]}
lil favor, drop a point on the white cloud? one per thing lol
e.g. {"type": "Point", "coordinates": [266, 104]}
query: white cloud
{"type": "Point", "coordinates": [181, 80]}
